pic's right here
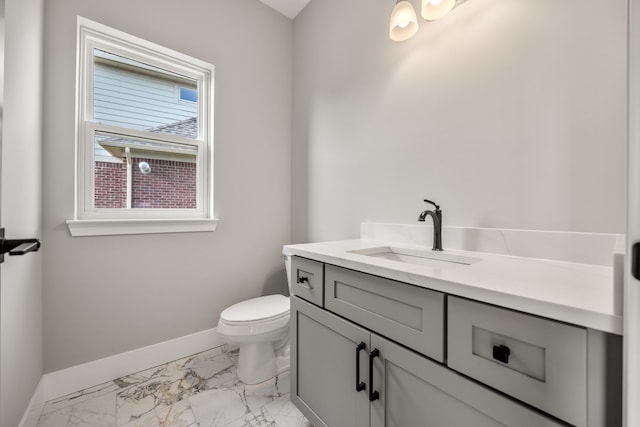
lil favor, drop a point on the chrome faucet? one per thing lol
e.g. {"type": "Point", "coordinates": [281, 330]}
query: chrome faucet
{"type": "Point", "coordinates": [437, 224]}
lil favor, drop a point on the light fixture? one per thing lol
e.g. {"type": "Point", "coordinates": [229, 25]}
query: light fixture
{"type": "Point", "coordinates": [404, 23]}
{"type": "Point", "coordinates": [436, 9]}
{"type": "Point", "coordinates": [145, 168]}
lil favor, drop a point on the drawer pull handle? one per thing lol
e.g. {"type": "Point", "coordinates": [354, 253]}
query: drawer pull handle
{"type": "Point", "coordinates": [302, 279]}
{"type": "Point", "coordinates": [501, 353]}
{"type": "Point", "coordinates": [360, 385]}
{"type": "Point", "coordinates": [373, 395]}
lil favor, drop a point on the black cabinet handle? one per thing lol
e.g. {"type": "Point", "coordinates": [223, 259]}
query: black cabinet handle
{"type": "Point", "coordinates": [302, 279]}
{"type": "Point", "coordinates": [359, 384]}
{"type": "Point", "coordinates": [373, 395]}
{"type": "Point", "coordinates": [501, 353]}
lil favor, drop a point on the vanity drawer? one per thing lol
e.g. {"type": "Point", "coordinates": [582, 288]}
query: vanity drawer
{"type": "Point", "coordinates": [307, 278]}
{"type": "Point", "coordinates": [407, 314]}
{"type": "Point", "coordinates": [536, 360]}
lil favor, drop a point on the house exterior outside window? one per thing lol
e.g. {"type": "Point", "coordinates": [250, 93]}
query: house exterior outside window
{"type": "Point", "coordinates": [144, 137]}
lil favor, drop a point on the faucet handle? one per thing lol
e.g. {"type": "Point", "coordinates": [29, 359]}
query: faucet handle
{"type": "Point", "coordinates": [433, 203]}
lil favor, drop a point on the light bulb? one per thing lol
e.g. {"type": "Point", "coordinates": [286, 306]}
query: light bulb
{"type": "Point", "coordinates": [436, 9]}
{"type": "Point", "coordinates": [403, 23]}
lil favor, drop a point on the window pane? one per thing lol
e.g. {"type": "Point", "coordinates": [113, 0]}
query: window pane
{"type": "Point", "coordinates": [188, 94]}
{"type": "Point", "coordinates": [134, 95]}
{"type": "Point", "coordinates": [131, 173]}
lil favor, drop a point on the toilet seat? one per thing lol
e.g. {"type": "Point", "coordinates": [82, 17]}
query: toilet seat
{"type": "Point", "coordinates": [255, 316]}
{"type": "Point", "coordinates": [270, 307]}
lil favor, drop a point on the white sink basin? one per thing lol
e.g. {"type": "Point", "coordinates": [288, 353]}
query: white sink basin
{"type": "Point", "coordinates": [427, 258]}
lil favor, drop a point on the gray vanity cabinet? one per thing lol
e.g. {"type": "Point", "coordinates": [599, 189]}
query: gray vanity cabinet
{"type": "Point", "coordinates": [408, 389]}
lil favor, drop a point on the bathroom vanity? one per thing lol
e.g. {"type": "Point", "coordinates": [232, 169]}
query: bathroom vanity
{"type": "Point", "coordinates": [398, 337]}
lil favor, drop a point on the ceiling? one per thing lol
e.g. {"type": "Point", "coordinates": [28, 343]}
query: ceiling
{"type": "Point", "coordinates": [289, 8]}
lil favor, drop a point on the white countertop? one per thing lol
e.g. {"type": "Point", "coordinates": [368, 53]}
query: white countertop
{"type": "Point", "coordinates": [581, 294]}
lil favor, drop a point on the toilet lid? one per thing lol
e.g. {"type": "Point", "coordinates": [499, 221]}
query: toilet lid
{"type": "Point", "coordinates": [269, 307]}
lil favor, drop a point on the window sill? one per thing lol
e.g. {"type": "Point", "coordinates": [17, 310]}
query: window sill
{"type": "Point", "coordinates": [112, 227]}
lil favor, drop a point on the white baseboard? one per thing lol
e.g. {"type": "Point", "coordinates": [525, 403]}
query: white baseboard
{"type": "Point", "coordinates": [36, 404]}
{"type": "Point", "coordinates": [65, 381]}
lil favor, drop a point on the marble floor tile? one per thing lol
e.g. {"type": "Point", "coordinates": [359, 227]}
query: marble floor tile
{"type": "Point", "coordinates": [171, 383]}
{"type": "Point", "coordinates": [96, 412]}
{"type": "Point", "coordinates": [258, 418]}
{"type": "Point", "coordinates": [197, 391]}
{"type": "Point", "coordinates": [234, 400]}
{"type": "Point", "coordinates": [285, 414]}
{"type": "Point", "coordinates": [80, 396]}
{"type": "Point", "coordinates": [214, 367]}
{"type": "Point", "coordinates": [178, 415]}
{"type": "Point", "coordinates": [155, 396]}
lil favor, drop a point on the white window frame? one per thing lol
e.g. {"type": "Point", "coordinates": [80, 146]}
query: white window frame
{"type": "Point", "coordinates": [89, 220]}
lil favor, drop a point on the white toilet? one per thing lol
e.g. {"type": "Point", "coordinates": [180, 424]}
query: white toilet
{"type": "Point", "coordinates": [260, 328]}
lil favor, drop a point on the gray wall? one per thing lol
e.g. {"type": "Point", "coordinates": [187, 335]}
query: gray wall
{"type": "Point", "coordinates": [21, 289]}
{"type": "Point", "coordinates": [509, 113]}
{"type": "Point", "coordinates": [107, 295]}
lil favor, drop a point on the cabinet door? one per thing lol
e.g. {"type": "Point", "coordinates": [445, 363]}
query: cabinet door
{"type": "Point", "coordinates": [323, 367]}
{"type": "Point", "coordinates": [415, 391]}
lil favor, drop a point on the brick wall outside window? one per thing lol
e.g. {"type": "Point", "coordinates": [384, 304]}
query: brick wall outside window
{"type": "Point", "coordinates": [170, 185]}
{"type": "Point", "coordinates": [111, 185]}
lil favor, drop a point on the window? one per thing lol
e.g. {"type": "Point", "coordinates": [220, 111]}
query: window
{"type": "Point", "coordinates": [188, 94]}
{"type": "Point", "coordinates": [144, 157]}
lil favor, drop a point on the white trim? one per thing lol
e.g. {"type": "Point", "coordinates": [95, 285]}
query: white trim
{"type": "Point", "coordinates": [60, 383]}
{"type": "Point", "coordinates": [107, 33]}
{"type": "Point", "coordinates": [112, 227]}
{"type": "Point", "coordinates": [34, 409]}
{"type": "Point", "coordinates": [127, 152]}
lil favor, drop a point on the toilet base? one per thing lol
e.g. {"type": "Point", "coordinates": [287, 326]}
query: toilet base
{"type": "Point", "coordinates": [283, 360]}
{"type": "Point", "coordinates": [257, 362]}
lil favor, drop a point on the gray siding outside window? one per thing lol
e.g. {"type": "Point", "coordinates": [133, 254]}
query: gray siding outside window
{"type": "Point", "coordinates": [140, 101]}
